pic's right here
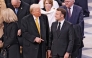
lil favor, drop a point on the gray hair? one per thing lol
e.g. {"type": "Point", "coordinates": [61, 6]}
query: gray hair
{"type": "Point", "coordinates": [72, 0]}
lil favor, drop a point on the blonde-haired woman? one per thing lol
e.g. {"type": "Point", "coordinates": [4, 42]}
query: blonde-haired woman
{"type": "Point", "coordinates": [2, 6]}
{"type": "Point", "coordinates": [10, 33]}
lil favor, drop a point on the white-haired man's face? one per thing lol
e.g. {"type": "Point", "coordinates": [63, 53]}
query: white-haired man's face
{"type": "Point", "coordinates": [69, 3]}
{"type": "Point", "coordinates": [36, 12]}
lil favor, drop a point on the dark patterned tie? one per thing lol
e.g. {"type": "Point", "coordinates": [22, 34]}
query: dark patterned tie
{"type": "Point", "coordinates": [16, 10]}
{"type": "Point", "coordinates": [58, 29]}
{"type": "Point", "coordinates": [69, 12]}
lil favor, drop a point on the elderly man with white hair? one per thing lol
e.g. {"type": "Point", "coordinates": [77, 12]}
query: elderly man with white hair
{"type": "Point", "coordinates": [35, 30]}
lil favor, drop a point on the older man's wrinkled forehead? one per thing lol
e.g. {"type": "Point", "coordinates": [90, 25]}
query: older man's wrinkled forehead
{"type": "Point", "coordinates": [14, 2]}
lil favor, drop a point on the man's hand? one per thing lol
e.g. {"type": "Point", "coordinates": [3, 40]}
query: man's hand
{"type": "Point", "coordinates": [49, 53]}
{"type": "Point", "coordinates": [19, 32]}
{"type": "Point", "coordinates": [66, 55]}
{"type": "Point", "coordinates": [38, 40]}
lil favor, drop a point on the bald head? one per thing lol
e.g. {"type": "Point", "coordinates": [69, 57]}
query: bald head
{"type": "Point", "coordinates": [15, 3]}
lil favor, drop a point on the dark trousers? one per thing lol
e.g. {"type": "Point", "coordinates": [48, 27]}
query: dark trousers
{"type": "Point", "coordinates": [57, 56]}
{"type": "Point", "coordinates": [40, 51]}
{"type": "Point", "coordinates": [80, 53]}
{"type": "Point", "coordinates": [73, 57]}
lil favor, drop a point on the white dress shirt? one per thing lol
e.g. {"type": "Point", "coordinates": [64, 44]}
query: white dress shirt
{"type": "Point", "coordinates": [62, 22]}
{"type": "Point", "coordinates": [36, 18]}
{"type": "Point", "coordinates": [71, 9]}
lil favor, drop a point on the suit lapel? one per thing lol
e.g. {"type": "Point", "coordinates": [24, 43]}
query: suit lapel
{"type": "Point", "coordinates": [63, 27]}
{"type": "Point", "coordinates": [55, 27]}
{"type": "Point", "coordinates": [31, 19]}
{"type": "Point", "coordinates": [42, 26]}
{"type": "Point", "coordinates": [20, 11]}
{"type": "Point", "coordinates": [73, 13]}
{"type": "Point", "coordinates": [66, 12]}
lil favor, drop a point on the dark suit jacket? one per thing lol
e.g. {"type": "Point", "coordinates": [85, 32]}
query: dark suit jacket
{"type": "Point", "coordinates": [77, 42]}
{"type": "Point", "coordinates": [78, 22]}
{"type": "Point", "coordinates": [63, 42]}
{"type": "Point", "coordinates": [10, 34]}
{"type": "Point", "coordinates": [10, 39]}
{"type": "Point", "coordinates": [23, 10]}
{"type": "Point", "coordinates": [84, 5]}
{"type": "Point", "coordinates": [30, 32]}
{"type": "Point", "coordinates": [77, 16]}
{"type": "Point", "coordinates": [30, 2]}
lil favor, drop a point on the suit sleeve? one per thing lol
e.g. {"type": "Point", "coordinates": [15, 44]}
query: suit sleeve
{"type": "Point", "coordinates": [71, 39]}
{"type": "Point", "coordinates": [51, 38]}
{"type": "Point", "coordinates": [47, 30]}
{"type": "Point", "coordinates": [81, 22]}
{"type": "Point", "coordinates": [12, 38]}
{"type": "Point", "coordinates": [25, 32]}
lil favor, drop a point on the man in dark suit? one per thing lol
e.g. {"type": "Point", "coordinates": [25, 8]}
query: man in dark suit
{"type": "Point", "coordinates": [21, 9]}
{"type": "Point", "coordinates": [30, 2]}
{"type": "Point", "coordinates": [75, 16]}
{"type": "Point", "coordinates": [35, 31]}
{"type": "Point", "coordinates": [61, 36]}
{"type": "Point", "coordinates": [84, 5]}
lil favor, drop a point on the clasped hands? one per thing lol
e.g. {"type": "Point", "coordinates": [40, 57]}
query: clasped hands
{"type": "Point", "coordinates": [38, 40]}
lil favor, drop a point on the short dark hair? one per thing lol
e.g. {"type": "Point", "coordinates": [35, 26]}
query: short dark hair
{"type": "Point", "coordinates": [63, 11]}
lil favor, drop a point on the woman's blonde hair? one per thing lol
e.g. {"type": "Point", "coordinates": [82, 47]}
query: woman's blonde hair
{"type": "Point", "coordinates": [8, 15]}
{"type": "Point", "coordinates": [2, 6]}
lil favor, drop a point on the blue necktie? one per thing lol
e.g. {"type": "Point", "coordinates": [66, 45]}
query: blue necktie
{"type": "Point", "coordinates": [16, 10]}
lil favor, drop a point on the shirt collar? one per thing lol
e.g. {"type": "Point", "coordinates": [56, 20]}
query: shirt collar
{"type": "Point", "coordinates": [71, 7]}
{"type": "Point", "coordinates": [62, 21]}
{"type": "Point", "coordinates": [35, 17]}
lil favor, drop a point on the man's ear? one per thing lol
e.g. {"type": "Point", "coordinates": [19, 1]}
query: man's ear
{"type": "Point", "coordinates": [62, 15]}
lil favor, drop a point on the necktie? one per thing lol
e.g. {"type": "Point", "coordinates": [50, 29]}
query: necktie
{"type": "Point", "coordinates": [16, 10]}
{"type": "Point", "coordinates": [69, 12]}
{"type": "Point", "coordinates": [58, 29]}
{"type": "Point", "coordinates": [37, 25]}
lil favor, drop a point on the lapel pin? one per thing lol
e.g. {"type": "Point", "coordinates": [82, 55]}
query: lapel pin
{"type": "Point", "coordinates": [21, 7]}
